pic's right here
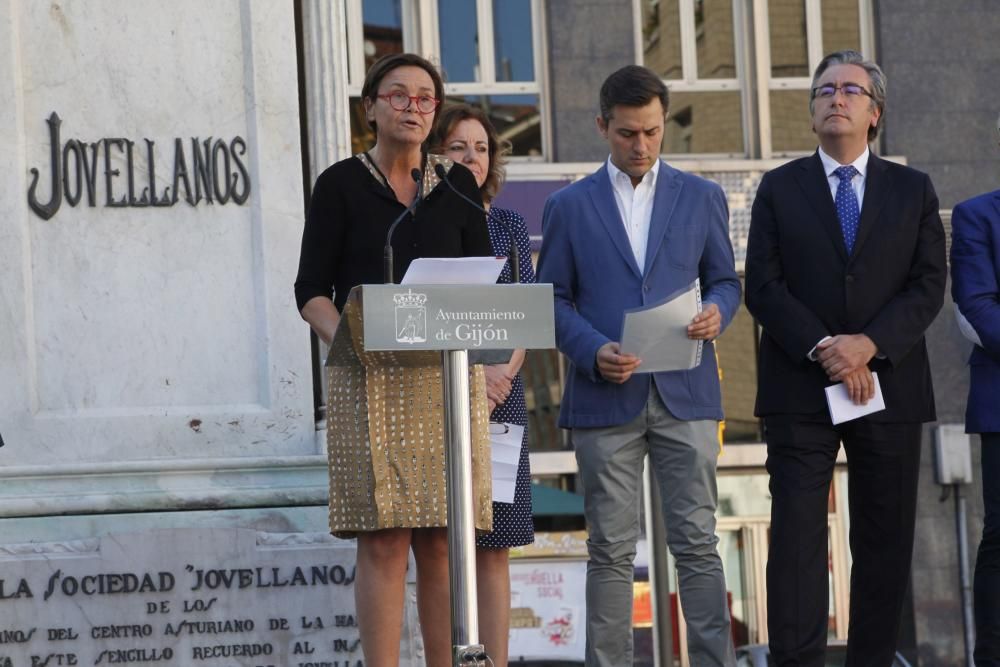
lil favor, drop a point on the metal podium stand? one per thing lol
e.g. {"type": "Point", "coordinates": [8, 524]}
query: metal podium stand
{"type": "Point", "coordinates": [456, 319]}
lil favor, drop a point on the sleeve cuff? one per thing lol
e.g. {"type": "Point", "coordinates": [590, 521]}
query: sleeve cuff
{"type": "Point", "coordinates": [966, 328]}
{"type": "Point", "coordinates": [812, 353]}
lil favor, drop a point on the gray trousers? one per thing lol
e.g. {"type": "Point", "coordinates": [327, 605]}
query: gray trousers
{"type": "Point", "coordinates": [683, 455]}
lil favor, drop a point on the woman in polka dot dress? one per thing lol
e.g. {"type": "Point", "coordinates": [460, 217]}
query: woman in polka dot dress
{"type": "Point", "coordinates": [466, 135]}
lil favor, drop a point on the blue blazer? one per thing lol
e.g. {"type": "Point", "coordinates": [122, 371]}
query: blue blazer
{"type": "Point", "coordinates": [975, 287]}
{"type": "Point", "coordinates": [587, 257]}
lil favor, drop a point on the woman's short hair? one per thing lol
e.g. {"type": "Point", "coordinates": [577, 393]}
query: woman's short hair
{"type": "Point", "coordinates": [452, 115]}
{"type": "Point", "coordinates": [385, 64]}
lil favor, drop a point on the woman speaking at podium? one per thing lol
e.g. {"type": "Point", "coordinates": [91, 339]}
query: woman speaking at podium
{"type": "Point", "coordinates": [466, 135]}
{"type": "Point", "coordinates": [353, 204]}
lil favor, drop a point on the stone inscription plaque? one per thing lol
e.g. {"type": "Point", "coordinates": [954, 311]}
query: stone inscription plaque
{"type": "Point", "coordinates": [213, 597]}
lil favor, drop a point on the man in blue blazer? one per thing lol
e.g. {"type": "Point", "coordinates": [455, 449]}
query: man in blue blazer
{"type": "Point", "coordinates": [630, 235]}
{"type": "Point", "coordinates": [975, 286]}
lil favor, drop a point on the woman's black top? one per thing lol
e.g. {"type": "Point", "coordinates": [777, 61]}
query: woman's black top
{"type": "Point", "coordinates": [350, 213]}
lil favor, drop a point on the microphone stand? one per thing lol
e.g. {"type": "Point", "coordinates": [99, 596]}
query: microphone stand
{"type": "Point", "coordinates": [515, 260]}
{"type": "Point", "coordinates": [466, 649]}
{"type": "Point", "coordinates": [387, 259]}
{"type": "Point", "coordinates": [487, 356]}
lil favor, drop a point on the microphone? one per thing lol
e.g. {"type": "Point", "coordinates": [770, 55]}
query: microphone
{"type": "Point", "coordinates": [411, 209]}
{"type": "Point", "coordinates": [515, 264]}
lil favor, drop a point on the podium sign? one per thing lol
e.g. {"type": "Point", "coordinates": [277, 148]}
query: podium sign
{"type": "Point", "coordinates": [457, 320]}
{"type": "Point", "coordinates": [458, 317]}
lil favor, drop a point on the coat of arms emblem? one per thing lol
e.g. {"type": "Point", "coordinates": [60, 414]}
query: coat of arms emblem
{"type": "Point", "coordinates": [411, 317]}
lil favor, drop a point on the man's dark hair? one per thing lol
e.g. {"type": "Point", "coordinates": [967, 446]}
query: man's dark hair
{"type": "Point", "coordinates": [632, 86]}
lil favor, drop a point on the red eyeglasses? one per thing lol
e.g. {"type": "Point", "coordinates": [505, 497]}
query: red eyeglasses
{"type": "Point", "coordinates": [400, 101]}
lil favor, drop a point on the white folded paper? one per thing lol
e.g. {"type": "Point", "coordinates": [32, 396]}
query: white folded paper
{"type": "Point", "coordinates": [843, 409]}
{"type": "Point", "coordinates": [454, 271]}
{"type": "Point", "coordinates": [657, 334]}
{"type": "Point", "coordinates": [505, 454]}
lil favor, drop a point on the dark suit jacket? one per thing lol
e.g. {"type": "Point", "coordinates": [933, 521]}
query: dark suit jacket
{"type": "Point", "coordinates": [975, 286]}
{"type": "Point", "coordinates": [801, 285]}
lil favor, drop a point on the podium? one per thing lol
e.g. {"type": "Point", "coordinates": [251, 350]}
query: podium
{"type": "Point", "coordinates": [394, 347]}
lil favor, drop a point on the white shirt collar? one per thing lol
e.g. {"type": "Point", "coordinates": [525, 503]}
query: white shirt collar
{"type": "Point", "coordinates": [616, 174]}
{"type": "Point", "coordinates": [830, 165]}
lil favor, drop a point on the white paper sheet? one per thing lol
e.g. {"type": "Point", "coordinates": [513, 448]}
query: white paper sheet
{"type": "Point", "coordinates": [503, 490]}
{"type": "Point", "coordinates": [454, 271]}
{"type": "Point", "coordinates": [657, 334]}
{"type": "Point", "coordinates": [505, 454]}
{"type": "Point", "coordinates": [843, 409]}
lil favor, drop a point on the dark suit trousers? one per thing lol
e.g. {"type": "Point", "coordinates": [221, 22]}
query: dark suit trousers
{"type": "Point", "coordinates": [987, 582]}
{"type": "Point", "coordinates": [883, 462]}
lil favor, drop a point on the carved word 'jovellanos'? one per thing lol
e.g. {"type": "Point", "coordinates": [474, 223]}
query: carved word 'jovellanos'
{"type": "Point", "coordinates": [217, 172]}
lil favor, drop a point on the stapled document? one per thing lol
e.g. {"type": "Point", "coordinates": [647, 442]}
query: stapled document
{"type": "Point", "coordinates": [657, 334]}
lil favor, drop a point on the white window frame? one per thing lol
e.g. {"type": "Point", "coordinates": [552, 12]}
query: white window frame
{"type": "Point", "coordinates": [753, 66]}
{"type": "Point", "coordinates": [690, 81]}
{"type": "Point", "coordinates": [815, 51]}
{"type": "Point", "coordinates": [420, 35]}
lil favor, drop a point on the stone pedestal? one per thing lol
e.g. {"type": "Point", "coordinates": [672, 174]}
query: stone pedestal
{"type": "Point", "coordinates": [189, 596]}
{"type": "Point", "coordinates": [163, 488]}
{"type": "Point", "coordinates": [151, 352]}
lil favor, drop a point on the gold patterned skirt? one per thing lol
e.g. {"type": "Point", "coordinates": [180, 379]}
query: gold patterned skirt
{"type": "Point", "coordinates": [385, 437]}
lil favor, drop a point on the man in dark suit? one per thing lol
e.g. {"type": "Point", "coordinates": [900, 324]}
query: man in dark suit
{"type": "Point", "coordinates": [845, 270]}
{"type": "Point", "coordinates": [975, 286]}
{"type": "Point", "coordinates": [630, 235]}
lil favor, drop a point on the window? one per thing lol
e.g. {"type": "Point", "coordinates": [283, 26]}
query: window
{"type": "Point", "coordinates": [739, 71]}
{"type": "Point", "coordinates": [380, 25]}
{"type": "Point", "coordinates": [693, 45]}
{"type": "Point", "coordinates": [489, 52]}
{"type": "Point", "coordinates": [798, 34]}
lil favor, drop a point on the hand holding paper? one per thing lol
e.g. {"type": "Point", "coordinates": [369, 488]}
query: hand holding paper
{"type": "Point", "coordinates": [615, 366]}
{"type": "Point", "coordinates": [860, 386]}
{"type": "Point", "coordinates": [843, 408]}
{"type": "Point", "coordinates": [706, 325]}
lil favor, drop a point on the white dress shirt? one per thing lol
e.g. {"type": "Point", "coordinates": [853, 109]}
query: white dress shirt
{"type": "Point", "coordinates": [858, 182]}
{"type": "Point", "coordinates": [635, 205]}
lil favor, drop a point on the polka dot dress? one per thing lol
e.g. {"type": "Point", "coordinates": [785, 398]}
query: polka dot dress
{"type": "Point", "coordinates": [512, 525]}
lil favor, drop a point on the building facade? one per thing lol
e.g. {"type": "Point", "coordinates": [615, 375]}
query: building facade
{"type": "Point", "coordinates": [739, 73]}
{"type": "Point", "coordinates": [156, 374]}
